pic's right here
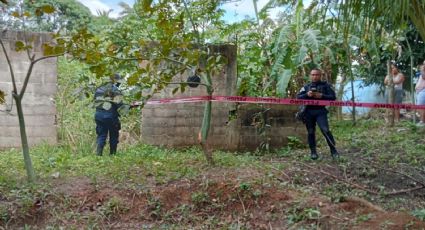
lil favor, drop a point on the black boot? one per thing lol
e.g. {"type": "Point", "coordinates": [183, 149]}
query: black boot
{"type": "Point", "coordinates": [312, 144]}
{"type": "Point", "coordinates": [113, 150]}
{"type": "Point", "coordinates": [313, 155]}
{"type": "Point", "coordinates": [334, 154]}
{"type": "Point", "coordinates": [99, 150]}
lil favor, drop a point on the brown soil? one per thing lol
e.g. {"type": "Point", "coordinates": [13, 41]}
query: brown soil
{"type": "Point", "coordinates": [220, 198]}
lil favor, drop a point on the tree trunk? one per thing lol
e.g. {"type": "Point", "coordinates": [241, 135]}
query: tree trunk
{"type": "Point", "coordinates": [390, 114]}
{"type": "Point", "coordinates": [353, 113]}
{"type": "Point", "coordinates": [24, 139]}
{"type": "Point", "coordinates": [412, 88]}
{"type": "Point", "coordinates": [350, 71]}
{"type": "Point", "coordinates": [206, 123]}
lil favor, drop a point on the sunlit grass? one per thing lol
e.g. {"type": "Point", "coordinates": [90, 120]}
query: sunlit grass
{"type": "Point", "coordinates": [139, 167]}
{"type": "Point", "coordinates": [134, 163]}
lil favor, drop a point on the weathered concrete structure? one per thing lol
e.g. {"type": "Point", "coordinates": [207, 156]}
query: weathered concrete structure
{"type": "Point", "coordinates": [38, 102]}
{"type": "Point", "coordinates": [177, 125]}
{"type": "Point", "coordinates": [268, 124]}
{"type": "Point", "coordinates": [233, 126]}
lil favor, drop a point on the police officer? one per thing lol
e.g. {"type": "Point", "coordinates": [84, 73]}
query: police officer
{"type": "Point", "coordinates": [318, 90]}
{"type": "Point", "coordinates": [108, 99]}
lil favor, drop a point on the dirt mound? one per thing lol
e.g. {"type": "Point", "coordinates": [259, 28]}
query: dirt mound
{"type": "Point", "coordinates": [234, 199]}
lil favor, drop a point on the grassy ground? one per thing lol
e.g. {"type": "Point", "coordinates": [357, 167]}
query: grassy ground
{"type": "Point", "coordinates": [378, 182]}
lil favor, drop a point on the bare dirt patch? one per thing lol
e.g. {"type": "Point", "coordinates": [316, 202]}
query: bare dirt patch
{"type": "Point", "coordinates": [230, 198]}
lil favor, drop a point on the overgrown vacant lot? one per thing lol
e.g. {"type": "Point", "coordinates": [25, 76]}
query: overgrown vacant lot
{"type": "Point", "coordinates": [378, 184]}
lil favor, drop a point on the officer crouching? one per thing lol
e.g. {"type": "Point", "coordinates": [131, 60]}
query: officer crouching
{"type": "Point", "coordinates": [318, 90]}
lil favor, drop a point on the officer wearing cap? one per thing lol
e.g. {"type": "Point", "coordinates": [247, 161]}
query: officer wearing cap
{"type": "Point", "coordinates": [318, 90]}
{"type": "Point", "coordinates": [108, 99]}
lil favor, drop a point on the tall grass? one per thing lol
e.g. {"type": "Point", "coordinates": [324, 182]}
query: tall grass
{"type": "Point", "coordinates": [76, 127]}
{"type": "Point", "coordinates": [74, 101]}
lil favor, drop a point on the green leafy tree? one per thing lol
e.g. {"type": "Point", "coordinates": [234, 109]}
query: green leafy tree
{"type": "Point", "coordinates": [397, 13]}
{"type": "Point", "coordinates": [406, 38]}
{"type": "Point", "coordinates": [66, 15]}
{"type": "Point", "coordinates": [101, 22]}
{"type": "Point", "coordinates": [46, 15]}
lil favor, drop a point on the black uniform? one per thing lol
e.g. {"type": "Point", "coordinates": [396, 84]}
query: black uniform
{"type": "Point", "coordinates": [107, 117]}
{"type": "Point", "coordinates": [318, 114]}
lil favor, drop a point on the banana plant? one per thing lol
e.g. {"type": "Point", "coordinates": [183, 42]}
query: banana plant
{"type": "Point", "coordinates": [297, 46]}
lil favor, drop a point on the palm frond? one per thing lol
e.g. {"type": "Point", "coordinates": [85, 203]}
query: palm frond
{"type": "Point", "coordinates": [103, 13]}
{"type": "Point", "coordinates": [398, 13]}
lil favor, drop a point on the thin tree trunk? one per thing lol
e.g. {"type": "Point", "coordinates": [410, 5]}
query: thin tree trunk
{"type": "Point", "coordinates": [24, 139]}
{"type": "Point", "coordinates": [206, 123]}
{"type": "Point", "coordinates": [412, 89]}
{"type": "Point", "coordinates": [350, 71]}
{"type": "Point", "coordinates": [390, 114]}
{"type": "Point", "coordinates": [353, 113]}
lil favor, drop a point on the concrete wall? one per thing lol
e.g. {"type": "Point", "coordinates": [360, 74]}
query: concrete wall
{"type": "Point", "coordinates": [249, 131]}
{"type": "Point", "coordinates": [232, 128]}
{"type": "Point", "coordinates": [38, 104]}
{"type": "Point", "coordinates": [177, 125]}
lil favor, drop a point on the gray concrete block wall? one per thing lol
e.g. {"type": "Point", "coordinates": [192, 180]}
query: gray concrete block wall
{"type": "Point", "coordinates": [178, 125]}
{"type": "Point", "coordinates": [38, 102]}
{"type": "Point", "coordinates": [280, 120]}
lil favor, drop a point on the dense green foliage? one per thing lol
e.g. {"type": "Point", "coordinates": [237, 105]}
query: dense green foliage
{"type": "Point", "coordinates": [273, 55]}
{"type": "Point", "coordinates": [63, 16]}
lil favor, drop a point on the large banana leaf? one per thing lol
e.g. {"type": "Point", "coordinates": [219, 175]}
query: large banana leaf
{"type": "Point", "coordinates": [301, 55]}
{"type": "Point", "coordinates": [312, 38]}
{"type": "Point", "coordinates": [283, 81]}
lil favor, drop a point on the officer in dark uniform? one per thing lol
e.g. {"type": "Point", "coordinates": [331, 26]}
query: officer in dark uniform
{"type": "Point", "coordinates": [108, 99]}
{"type": "Point", "coordinates": [318, 90]}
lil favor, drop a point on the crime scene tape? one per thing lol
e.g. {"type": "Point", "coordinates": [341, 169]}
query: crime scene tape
{"type": "Point", "coordinates": [281, 101]}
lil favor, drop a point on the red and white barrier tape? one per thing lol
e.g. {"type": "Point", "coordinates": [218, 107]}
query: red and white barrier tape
{"type": "Point", "coordinates": [281, 101]}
